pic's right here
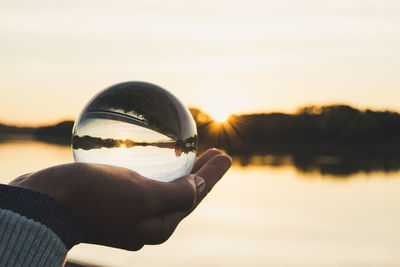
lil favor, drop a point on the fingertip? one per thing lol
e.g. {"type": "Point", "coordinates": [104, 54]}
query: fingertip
{"type": "Point", "coordinates": [214, 169]}
{"type": "Point", "coordinates": [223, 160]}
{"type": "Point", "coordinates": [200, 184]}
{"type": "Point", "coordinates": [203, 158]}
{"type": "Point", "coordinates": [229, 158]}
{"type": "Point", "coordinates": [214, 150]}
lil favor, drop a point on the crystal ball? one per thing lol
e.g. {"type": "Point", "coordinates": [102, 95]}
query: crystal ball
{"type": "Point", "coordinates": [140, 126]}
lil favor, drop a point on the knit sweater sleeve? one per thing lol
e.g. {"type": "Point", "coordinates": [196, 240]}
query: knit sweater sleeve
{"type": "Point", "coordinates": [24, 242]}
{"type": "Point", "coordinates": [35, 229]}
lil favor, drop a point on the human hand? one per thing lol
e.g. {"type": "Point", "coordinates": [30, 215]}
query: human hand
{"type": "Point", "coordinates": [120, 208]}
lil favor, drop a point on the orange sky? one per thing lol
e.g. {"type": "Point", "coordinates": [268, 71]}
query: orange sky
{"type": "Point", "coordinates": [222, 56]}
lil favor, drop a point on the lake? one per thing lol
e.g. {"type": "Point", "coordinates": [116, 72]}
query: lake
{"type": "Point", "coordinates": [258, 215]}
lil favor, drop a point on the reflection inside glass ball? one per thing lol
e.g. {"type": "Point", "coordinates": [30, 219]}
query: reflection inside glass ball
{"type": "Point", "coordinates": [139, 126]}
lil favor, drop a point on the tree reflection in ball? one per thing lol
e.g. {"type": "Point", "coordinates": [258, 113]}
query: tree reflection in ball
{"type": "Point", "coordinates": [139, 126]}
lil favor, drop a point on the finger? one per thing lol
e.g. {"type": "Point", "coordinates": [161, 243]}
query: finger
{"type": "Point", "coordinates": [178, 195]}
{"type": "Point", "coordinates": [181, 195]}
{"type": "Point", "coordinates": [212, 171]}
{"type": "Point", "coordinates": [206, 156]}
{"type": "Point", "coordinates": [158, 229]}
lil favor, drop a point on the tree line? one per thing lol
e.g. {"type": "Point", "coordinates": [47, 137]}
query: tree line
{"type": "Point", "coordinates": [337, 139]}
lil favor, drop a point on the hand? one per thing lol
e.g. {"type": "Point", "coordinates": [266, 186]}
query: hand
{"type": "Point", "coordinates": [120, 208]}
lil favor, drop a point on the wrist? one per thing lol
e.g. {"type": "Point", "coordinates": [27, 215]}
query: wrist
{"type": "Point", "coordinates": [44, 209]}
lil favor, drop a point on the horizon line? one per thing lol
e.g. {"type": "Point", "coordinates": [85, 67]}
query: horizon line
{"type": "Point", "coordinates": [296, 111]}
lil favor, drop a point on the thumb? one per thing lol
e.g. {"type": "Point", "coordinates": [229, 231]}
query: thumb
{"type": "Point", "coordinates": [182, 192]}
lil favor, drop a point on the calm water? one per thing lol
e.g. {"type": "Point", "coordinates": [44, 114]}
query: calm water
{"type": "Point", "coordinates": [258, 216]}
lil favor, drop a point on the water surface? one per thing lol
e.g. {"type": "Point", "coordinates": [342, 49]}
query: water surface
{"type": "Point", "coordinates": [258, 215]}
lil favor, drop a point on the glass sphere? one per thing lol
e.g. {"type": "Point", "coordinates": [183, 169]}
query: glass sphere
{"type": "Point", "coordinates": [139, 126]}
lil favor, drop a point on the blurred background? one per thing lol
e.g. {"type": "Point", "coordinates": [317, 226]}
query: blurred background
{"type": "Point", "coordinates": [303, 94]}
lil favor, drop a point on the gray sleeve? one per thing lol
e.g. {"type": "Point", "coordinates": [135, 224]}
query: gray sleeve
{"type": "Point", "coordinates": [45, 210]}
{"type": "Point", "coordinates": [25, 242]}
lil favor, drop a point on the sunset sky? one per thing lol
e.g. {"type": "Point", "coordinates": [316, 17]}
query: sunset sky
{"type": "Point", "coordinates": [221, 56]}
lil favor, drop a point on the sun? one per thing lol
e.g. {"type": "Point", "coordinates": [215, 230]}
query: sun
{"type": "Point", "coordinates": [123, 146]}
{"type": "Point", "coordinates": [217, 110]}
{"type": "Point", "coordinates": [220, 115]}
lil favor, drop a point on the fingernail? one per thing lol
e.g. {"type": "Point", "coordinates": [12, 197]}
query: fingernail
{"type": "Point", "coordinates": [199, 183]}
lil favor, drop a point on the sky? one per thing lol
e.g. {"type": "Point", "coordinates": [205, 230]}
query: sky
{"type": "Point", "coordinates": [222, 56]}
